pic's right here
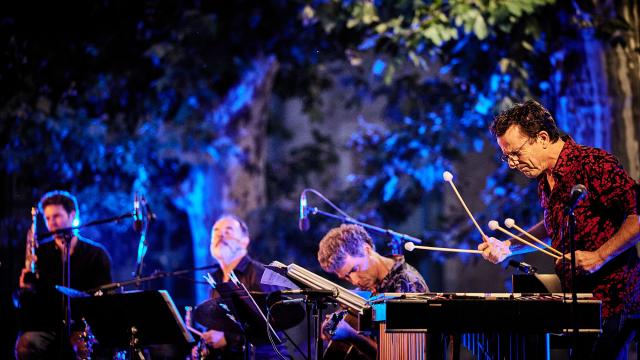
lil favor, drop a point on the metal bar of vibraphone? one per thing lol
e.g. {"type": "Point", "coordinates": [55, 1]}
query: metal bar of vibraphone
{"type": "Point", "coordinates": [401, 345]}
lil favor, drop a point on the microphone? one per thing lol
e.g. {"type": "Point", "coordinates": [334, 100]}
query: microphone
{"type": "Point", "coordinates": [303, 222]}
{"type": "Point", "coordinates": [137, 216]}
{"type": "Point", "coordinates": [310, 292]}
{"type": "Point", "coordinates": [523, 266]}
{"type": "Point", "coordinates": [578, 192]}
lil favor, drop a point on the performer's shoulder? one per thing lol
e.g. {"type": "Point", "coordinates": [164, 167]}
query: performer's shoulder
{"type": "Point", "coordinates": [594, 153]}
{"type": "Point", "coordinates": [92, 244]}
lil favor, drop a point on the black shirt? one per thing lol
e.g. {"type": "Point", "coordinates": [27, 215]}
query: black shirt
{"type": "Point", "coordinates": [90, 268]}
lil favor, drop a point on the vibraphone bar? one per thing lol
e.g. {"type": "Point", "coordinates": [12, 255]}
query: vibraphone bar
{"type": "Point", "coordinates": [491, 326]}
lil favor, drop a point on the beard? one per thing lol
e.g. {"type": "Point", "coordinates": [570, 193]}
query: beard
{"type": "Point", "coordinates": [227, 253]}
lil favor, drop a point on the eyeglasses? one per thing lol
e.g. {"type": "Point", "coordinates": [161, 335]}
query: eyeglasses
{"type": "Point", "coordinates": [514, 155]}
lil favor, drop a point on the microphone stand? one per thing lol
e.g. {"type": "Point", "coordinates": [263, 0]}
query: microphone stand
{"type": "Point", "coordinates": [316, 303]}
{"type": "Point", "coordinates": [248, 345]}
{"type": "Point", "coordinates": [397, 238]}
{"type": "Point", "coordinates": [66, 300]}
{"type": "Point", "coordinates": [571, 225]}
{"type": "Point", "coordinates": [142, 251]}
{"type": "Point", "coordinates": [146, 216]}
{"type": "Point", "coordinates": [154, 276]}
{"type": "Point", "coordinates": [115, 219]}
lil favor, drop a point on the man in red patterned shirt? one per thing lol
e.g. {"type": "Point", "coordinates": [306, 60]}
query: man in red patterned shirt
{"type": "Point", "coordinates": [607, 223]}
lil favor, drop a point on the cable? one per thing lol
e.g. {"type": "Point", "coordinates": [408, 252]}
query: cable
{"type": "Point", "coordinates": [280, 302]}
{"type": "Point", "coordinates": [335, 207]}
{"type": "Point", "coordinates": [273, 344]}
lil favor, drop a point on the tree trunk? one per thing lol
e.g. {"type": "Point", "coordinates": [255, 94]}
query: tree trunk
{"type": "Point", "coordinates": [623, 73]}
{"type": "Point", "coordinates": [599, 101]}
{"type": "Point", "coordinates": [236, 184]}
{"type": "Point", "coordinates": [623, 70]}
{"type": "Point", "coordinates": [583, 106]}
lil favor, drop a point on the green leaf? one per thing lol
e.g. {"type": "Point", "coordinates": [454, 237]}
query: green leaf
{"type": "Point", "coordinates": [504, 65]}
{"type": "Point", "coordinates": [308, 12]}
{"type": "Point", "coordinates": [432, 34]}
{"type": "Point", "coordinates": [388, 75]}
{"type": "Point", "coordinates": [514, 8]}
{"type": "Point", "coordinates": [369, 13]}
{"type": "Point", "coordinates": [380, 28]}
{"type": "Point", "coordinates": [351, 23]}
{"type": "Point", "coordinates": [414, 58]}
{"type": "Point", "coordinates": [480, 28]}
{"type": "Point", "coordinates": [458, 20]}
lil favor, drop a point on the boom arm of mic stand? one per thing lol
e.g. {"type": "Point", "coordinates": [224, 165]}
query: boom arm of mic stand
{"type": "Point", "coordinates": [114, 219]}
{"type": "Point", "coordinates": [400, 236]}
{"type": "Point", "coordinates": [157, 275]}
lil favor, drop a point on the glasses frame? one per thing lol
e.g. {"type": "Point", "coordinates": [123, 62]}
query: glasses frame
{"type": "Point", "coordinates": [515, 154]}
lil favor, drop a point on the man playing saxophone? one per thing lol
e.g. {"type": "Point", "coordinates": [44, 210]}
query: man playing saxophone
{"type": "Point", "coordinates": [41, 310]}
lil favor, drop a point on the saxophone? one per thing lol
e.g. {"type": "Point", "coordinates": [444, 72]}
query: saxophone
{"type": "Point", "coordinates": [32, 244]}
{"type": "Point", "coordinates": [82, 341]}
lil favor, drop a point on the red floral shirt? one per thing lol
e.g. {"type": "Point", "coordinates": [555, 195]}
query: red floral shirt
{"type": "Point", "coordinates": [611, 197]}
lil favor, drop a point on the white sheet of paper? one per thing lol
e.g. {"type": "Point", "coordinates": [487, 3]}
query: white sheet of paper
{"type": "Point", "coordinates": [270, 277]}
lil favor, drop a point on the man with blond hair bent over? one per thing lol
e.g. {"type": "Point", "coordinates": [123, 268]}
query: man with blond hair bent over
{"type": "Point", "coordinates": [348, 252]}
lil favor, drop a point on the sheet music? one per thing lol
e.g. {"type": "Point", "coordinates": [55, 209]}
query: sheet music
{"type": "Point", "coordinates": [270, 277]}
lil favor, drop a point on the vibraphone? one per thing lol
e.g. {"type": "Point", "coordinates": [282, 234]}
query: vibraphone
{"type": "Point", "coordinates": [492, 326]}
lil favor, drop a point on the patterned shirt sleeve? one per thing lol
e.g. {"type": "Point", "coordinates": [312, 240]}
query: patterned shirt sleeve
{"type": "Point", "coordinates": [403, 278]}
{"type": "Point", "coordinates": [611, 185]}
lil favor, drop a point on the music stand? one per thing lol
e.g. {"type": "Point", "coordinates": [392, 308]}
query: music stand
{"type": "Point", "coordinates": [133, 320]}
{"type": "Point", "coordinates": [307, 279]}
{"type": "Point", "coordinates": [247, 315]}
